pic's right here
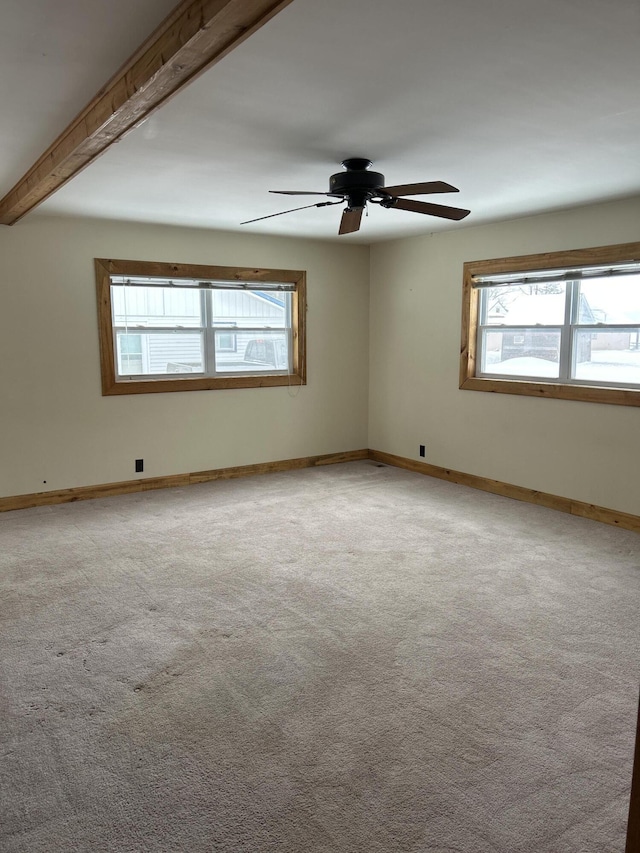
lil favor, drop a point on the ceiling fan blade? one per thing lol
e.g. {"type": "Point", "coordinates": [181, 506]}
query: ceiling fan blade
{"type": "Point", "coordinates": [292, 210]}
{"type": "Point", "coordinates": [295, 192]}
{"type": "Point", "coordinates": [350, 221]}
{"type": "Point", "coordinates": [421, 189]}
{"type": "Point", "coordinates": [427, 207]}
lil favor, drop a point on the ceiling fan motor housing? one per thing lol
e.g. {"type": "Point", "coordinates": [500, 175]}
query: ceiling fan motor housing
{"type": "Point", "coordinates": [357, 184]}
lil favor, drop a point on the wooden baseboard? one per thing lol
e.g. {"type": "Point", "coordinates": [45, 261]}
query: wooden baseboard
{"type": "Point", "coordinates": [83, 493]}
{"type": "Point", "coordinates": [496, 487]}
{"type": "Point", "coordinates": [519, 493]}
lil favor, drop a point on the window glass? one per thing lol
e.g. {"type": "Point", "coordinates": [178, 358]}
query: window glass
{"type": "Point", "coordinates": [135, 305]}
{"type": "Point", "coordinates": [525, 352]}
{"type": "Point", "coordinates": [608, 355]}
{"type": "Point", "coordinates": [259, 342]}
{"type": "Point", "coordinates": [525, 305]}
{"type": "Point", "coordinates": [226, 342]}
{"type": "Point", "coordinates": [516, 337]}
{"type": "Point", "coordinates": [267, 351]}
{"type": "Point", "coordinates": [129, 353]}
{"type": "Point", "coordinates": [161, 352]}
{"type": "Point", "coordinates": [610, 300]}
{"type": "Point", "coordinates": [250, 309]}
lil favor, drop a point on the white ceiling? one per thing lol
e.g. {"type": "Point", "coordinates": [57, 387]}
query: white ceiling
{"type": "Point", "coordinates": [525, 105]}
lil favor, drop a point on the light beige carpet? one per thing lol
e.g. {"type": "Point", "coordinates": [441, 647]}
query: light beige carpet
{"type": "Point", "coordinates": [351, 659]}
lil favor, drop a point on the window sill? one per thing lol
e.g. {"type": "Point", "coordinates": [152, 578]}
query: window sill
{"type": "Point", "coordinates": [552, 390]}
{"type": "Point", "coordinates": [201, 384]}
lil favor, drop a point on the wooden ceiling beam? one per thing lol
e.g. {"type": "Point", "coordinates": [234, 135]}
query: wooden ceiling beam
{"type": "Point", "coordinates": [191, 39]}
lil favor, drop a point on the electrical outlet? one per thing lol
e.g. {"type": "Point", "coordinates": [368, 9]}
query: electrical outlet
{"type": "Point", "coordinates": [139, 465]}
{"type": "Point", "coordinates": [422, 450]}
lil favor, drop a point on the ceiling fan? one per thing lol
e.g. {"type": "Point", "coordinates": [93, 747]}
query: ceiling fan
{"type": "Point", "coordinates": [358, 186]}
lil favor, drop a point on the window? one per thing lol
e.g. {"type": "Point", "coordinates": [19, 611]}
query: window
{"type": "Point", "coordinates": [227, 342]}
{"type": "Point", "coordinates": [178, 327]}
{"type": "Point", "coordinates": [565, 324]}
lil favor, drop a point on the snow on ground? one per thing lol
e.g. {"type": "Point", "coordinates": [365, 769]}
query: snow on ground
{"type": "Point", "coordinates": [605, 366]}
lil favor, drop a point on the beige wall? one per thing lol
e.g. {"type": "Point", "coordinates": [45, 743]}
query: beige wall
{"type": "Point", "coordinates": [56, 426]}
{"type": "Point", "coordinates": [584, 451]}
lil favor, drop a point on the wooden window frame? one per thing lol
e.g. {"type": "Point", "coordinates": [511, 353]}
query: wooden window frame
{"type": "Point", "coordinates": [469, 381]}
{"type": "Point", "coordinates": [105, 268]}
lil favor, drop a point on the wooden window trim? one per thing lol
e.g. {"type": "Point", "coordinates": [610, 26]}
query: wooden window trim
{"type": "Point", "coordinates": [105, 268]}
{"type": "Point", "coordinates": [548, 260]}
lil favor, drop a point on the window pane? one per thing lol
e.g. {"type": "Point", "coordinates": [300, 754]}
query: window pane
{"type": "Point", "coordinates": [250, 309]}
{"type": "Point", "coordinates": [227, 342]}
{"type": "Point", "coordinates": [521, 352]}
{"type": "Point", "coordinates": [129, 354]}
{"type": "Point", "coordinates": [160, 353]}
{"type": "Point", "coordinates": [525, 305]}
{"type": "Point", "coordinates": [134, 305]}
{"type": "Point", "coordinates": [610, 300]}
{"type": "Point", "coordinates": [266, 351]}
{"type": "Point", "coordinates": [612, 355]}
